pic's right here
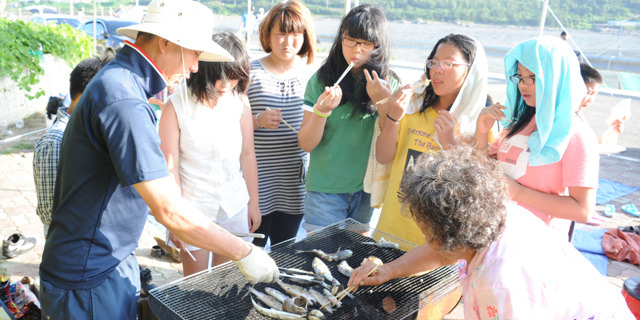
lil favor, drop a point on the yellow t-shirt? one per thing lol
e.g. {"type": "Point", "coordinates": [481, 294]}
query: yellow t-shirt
{"type": "Point", "coordinates": [415, 137]}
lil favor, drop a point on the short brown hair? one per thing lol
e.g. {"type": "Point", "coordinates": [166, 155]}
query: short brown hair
{"type": "Point", "coordinates": [292, 17]}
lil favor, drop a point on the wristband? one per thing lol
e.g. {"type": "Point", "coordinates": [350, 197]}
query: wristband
{"type": "Point", "coordinates": [321, 114]}
{"type": "Point", "coordinates": [392, 119]}
{"type": "Point", "coordinates": [258, 123]}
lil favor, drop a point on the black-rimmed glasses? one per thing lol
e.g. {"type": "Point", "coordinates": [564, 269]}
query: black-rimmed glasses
{"type": "Point", "coordinates": [352, 43]}
{"type": "Point", "coordinates": [526, 80]}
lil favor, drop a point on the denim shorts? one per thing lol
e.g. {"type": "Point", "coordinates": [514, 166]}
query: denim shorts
{"type": "Point", "coordinates": [323, 209]}
{"type": "Point", "coordinates": [115, 298]}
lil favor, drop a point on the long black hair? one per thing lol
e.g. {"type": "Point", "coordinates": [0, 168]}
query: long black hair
{"type": "Point", "coordinates": [467, 47]}
{"type": "Point", "coordinates": [522, 115]}
{"type": "Point", "coordinates": [202, 83]}
{"type": "Point", "coordinates": [362, 22]}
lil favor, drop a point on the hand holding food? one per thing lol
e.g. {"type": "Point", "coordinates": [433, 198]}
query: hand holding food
{"type": "Point", "coordinates": [269, 118]}
{"type": "Point", "coordinates": [329, 99]}
{"type": "Point", "coordinates": [398, 102]}
{"type": "Point", "coordinates": [371, 272]}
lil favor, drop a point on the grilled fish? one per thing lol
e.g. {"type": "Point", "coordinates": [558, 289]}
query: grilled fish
{"type": "Point", "coordinates": [289, 305]}
{"type": "Point", "coordinates": [276, 314]}
{"type": "Point", "coordinates": [322, 300]}
{"type": "Point", "coordinates": [345, 268]}
{"type": "Point", "coordinates": [316, 314]}
{"type": "Point", "coordinates": [321, 269]}
{"type": "Point", "coordinates": [276, 294]}
{"type": "Point", "coordinates": [297, 291]}
{"type": "Point", "coordinates": [337, 256]}
{"type": "Point", "coordinates": [332, 298]}
{"type": "Point", "coordinates": [382, 243]}
{"type": "Point", "coordinates": [267, 299]}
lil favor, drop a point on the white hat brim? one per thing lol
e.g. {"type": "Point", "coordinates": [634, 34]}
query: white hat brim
{"type": "Point", "coordinates": [211, 51]}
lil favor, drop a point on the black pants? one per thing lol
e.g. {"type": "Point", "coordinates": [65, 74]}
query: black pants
{"type": "Point", "coordinates": [278, 226]}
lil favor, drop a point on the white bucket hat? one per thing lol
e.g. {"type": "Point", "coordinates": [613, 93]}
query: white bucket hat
{"type": "Point", "coordinates": [186, 23]}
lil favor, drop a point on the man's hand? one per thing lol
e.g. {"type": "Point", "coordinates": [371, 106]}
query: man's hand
{"type": "Point", "coordinates": [258, 266]}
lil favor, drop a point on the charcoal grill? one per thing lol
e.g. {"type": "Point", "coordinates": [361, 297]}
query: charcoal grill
{"type": "Point", "coordinates": [221, 293]}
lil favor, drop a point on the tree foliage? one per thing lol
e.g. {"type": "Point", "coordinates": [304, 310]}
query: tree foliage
{"type": "Point", "coordinates": [572, 13]}
{"type": "Point", "coordinates": [23, 45]}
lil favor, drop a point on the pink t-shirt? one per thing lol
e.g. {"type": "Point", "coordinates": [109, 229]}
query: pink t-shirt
{"type": "Point", "coordinates": [532, 273]}
{"type": "Point", "coordinates": [577, 168]}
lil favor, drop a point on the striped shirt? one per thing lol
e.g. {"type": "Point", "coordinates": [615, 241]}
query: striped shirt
{"type": "Point", "coordinates": [280, 161]}
{"type": "Point", "coordinates": [45, 165]}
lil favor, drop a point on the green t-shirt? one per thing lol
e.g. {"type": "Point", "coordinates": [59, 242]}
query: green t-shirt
{"type": "Point", "coordinates": [338, 163]}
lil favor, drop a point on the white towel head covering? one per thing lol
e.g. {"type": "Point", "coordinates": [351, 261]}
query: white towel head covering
{"type": "Point", "coordinates": [470, 99]}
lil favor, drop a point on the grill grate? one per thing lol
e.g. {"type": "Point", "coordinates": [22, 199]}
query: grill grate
{"type": "Point", "coordinates": [221, 293]}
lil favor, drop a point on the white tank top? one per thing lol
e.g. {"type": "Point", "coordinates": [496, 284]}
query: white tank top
{"type": "Point", "coordinates": [210, 147]}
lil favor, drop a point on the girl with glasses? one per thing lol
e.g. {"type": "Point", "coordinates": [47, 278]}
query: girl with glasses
{"type": "Point", "coordinates": [434, 117]}
{"type": "Point", "coordinates": [549, 158]}
{"type": "Point", "coordinates": [276, 91]}
{"type": "Point", "coordinates": [338, 123]}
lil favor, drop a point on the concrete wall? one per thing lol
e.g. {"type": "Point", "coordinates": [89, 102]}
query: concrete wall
{"type": "Point", "coordinates": [14, 105]}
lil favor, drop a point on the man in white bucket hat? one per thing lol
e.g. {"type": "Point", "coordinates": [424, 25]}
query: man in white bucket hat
{"type": "Point", "coordinates": [111, 171]}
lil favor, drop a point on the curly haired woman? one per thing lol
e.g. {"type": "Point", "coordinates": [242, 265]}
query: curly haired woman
{"type": "Point", "coordinates": [511, 265]}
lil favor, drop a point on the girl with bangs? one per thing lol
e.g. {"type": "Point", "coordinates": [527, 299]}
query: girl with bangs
{"type": "Point", "coordinates": [206, 137]}
{"type": "Point", "coordinates": [338, 123]}
{"type": "Point", "coordinates": [276, 92]}
{"type": "Point", "coordinates": [434, 117]}
{"type": "Point", "coordinates": [549, 158]}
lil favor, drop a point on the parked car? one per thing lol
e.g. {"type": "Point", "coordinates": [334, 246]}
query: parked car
{"type": "Point", "coordinates": [107, 39]}
{"type": "Point", "coordinates": [41, 9]}
{"type": "Point", "coordinates": [56, 19]}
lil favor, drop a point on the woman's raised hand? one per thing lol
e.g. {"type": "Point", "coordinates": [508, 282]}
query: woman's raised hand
{"type": "Point", "coordinates": [398, 102]}
{"type": "Point", "coordinates": [329, 99]}
{"type": "Point", "coordinates": [488, 116]}
{"type": "Point", "coordinates": [377, 88]}
{"type": "Point", "coordinates": [445, 125]}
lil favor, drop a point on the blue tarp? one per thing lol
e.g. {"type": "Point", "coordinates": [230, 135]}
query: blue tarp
{"type": "Point", "coordinates": [609, 190]}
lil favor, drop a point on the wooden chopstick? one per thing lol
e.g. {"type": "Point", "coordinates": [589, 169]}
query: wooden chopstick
{"type": "Point", "coordinates": [348, 290]}
{"type": "Point", "coordinates": [415, 86]}
{"type": "Point", "coordinates": [288, 125]}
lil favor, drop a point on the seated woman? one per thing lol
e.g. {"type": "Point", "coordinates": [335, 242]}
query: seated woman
{"type": "Point", "coordinates": [511, 265]}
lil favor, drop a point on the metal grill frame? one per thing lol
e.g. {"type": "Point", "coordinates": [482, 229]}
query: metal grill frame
{"type": "Point", "coordinates": [223, 288]}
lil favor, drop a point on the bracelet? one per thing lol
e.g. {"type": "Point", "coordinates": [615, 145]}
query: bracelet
{"type": "Point", "coordinates": [320, 113]}
{"type": "Point", "coordinates": [392, 119]}
{"type": "Point", "coordinates": [258, 123]}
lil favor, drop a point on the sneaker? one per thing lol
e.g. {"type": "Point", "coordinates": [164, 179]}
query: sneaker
{"type": "Point", "coordinates": [16, 245]}
{"type": "Point", "coordinates": [145, 282]}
